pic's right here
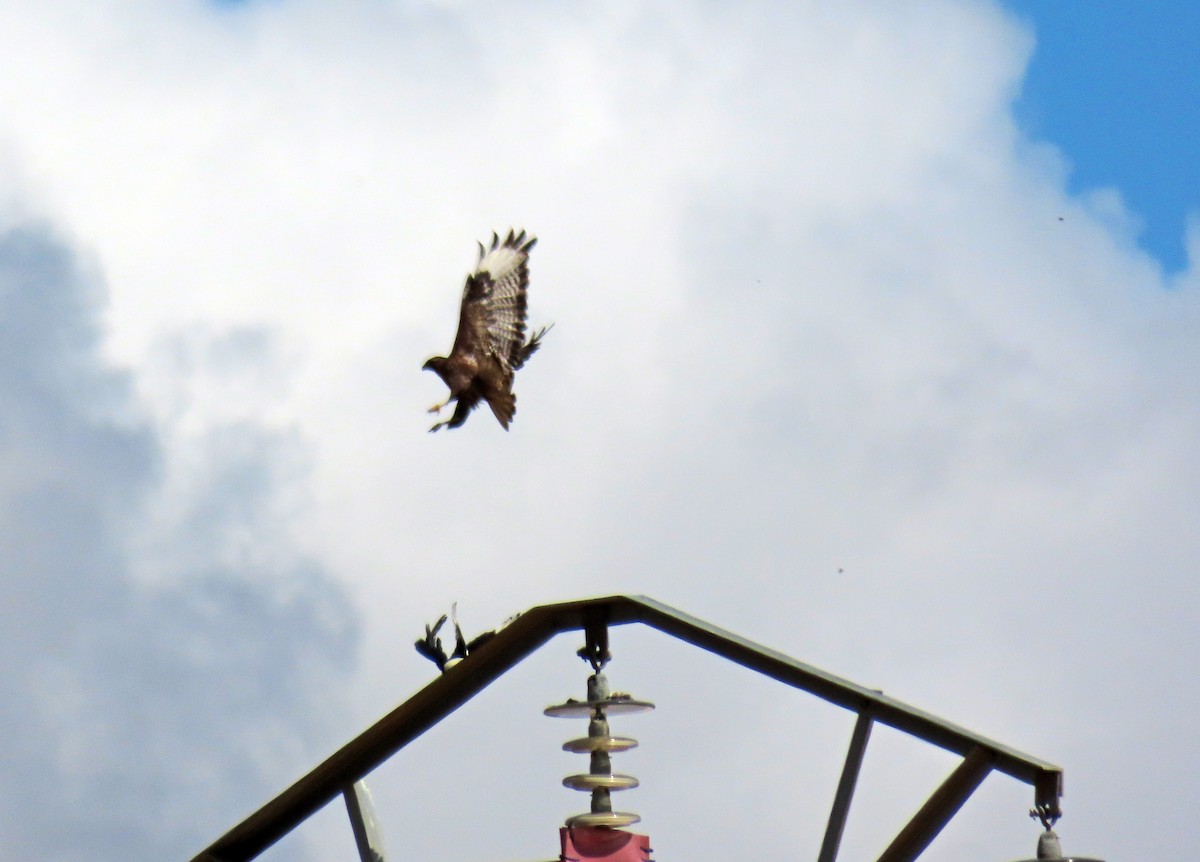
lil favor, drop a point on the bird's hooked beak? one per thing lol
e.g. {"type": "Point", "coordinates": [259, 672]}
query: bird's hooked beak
{"type": "Point", "coordinates": [430, 364]}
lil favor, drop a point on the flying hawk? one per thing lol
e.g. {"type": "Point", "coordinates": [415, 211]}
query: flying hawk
{"type": "Point", "coordinates": [490, 345]}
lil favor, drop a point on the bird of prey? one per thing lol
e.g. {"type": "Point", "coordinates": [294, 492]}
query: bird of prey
{"type": "Point", "coordinates": [490, 345]}
{"type": "Point", "coordinates": [431, 647]}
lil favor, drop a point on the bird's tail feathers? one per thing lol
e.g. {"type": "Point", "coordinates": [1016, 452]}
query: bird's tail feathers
{"type": "Point", "coordinates": [504, 406]}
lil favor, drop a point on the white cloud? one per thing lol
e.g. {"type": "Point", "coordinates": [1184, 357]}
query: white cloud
{"type": "Point", "coordinates": [138, 716]}
{"type": "Point", "coordinates": [815, 311]}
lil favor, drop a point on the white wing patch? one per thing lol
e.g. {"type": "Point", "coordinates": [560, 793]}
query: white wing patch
{"type": "Point", "coordinates": [504, 265]}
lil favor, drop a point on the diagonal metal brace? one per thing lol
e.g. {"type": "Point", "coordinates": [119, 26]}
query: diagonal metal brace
{"type": "Point", "coordinates": [845, 788]}
{"type": "Point", "coordinates": [364, 822]}
{"type": "Point", "coordinates": [940, 807]}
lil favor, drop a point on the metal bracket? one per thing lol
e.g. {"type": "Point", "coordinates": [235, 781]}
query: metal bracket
{"type": "Point", "coordinates": [595, 649]}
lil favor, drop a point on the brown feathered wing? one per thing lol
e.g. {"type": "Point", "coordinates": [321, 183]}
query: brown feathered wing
{"type": "Point", "coordinates": [490, 344]}
{"type": "Point", "coordinates": [491, 320]}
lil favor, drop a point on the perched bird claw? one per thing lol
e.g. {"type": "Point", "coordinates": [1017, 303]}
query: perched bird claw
{"type": "Point", "coordinates": [431, 645]}
{"type": "Point", "coordinates": [461, 649]}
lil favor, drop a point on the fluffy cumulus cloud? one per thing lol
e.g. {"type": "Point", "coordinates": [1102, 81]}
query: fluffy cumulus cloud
{"type": "Point", "coordinates": [139, 712]}
{"type": "Point", "coordinates": [837, 364]}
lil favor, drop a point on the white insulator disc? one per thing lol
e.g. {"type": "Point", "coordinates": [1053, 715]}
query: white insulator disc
{"type": "Point", "coordinates": [614, 819]}
{"type": "Point", "coordinates": [600, 743]}
{"type": "Point", "coordinates": [586, 708]}
{"type": "Point", "coordinates": [588, 781]}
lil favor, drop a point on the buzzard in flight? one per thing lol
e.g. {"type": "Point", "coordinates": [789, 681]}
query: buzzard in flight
{"type": "Point", "coordinates": [490, 345]}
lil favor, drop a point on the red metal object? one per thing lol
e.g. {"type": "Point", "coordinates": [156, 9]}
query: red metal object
{"type": "Point", "coordinates": [600, 844]}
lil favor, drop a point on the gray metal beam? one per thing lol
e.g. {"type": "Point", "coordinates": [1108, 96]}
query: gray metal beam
{"type": "Point", "coordinates": [845, 789]}
{"type": "Point", "coordinates": [361, 809]}
{"type": "Point", "coordinates": [531, 630]}
{"type": "Point", "coordinates": [939, 808]}
{"type": "Point", "coordinates": [884, 709]}
{"type": "Point", "coordinates": [380, 741]}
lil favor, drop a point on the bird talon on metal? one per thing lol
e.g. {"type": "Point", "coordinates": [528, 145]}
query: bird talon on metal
{"type": "Point", "coordinates": [431, 645]}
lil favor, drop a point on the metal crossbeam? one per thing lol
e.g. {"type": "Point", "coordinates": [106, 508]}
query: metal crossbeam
{"type": "Point", "coordinates": [939, 808]}
{"type": "Point", "coordinates": [531, 630]}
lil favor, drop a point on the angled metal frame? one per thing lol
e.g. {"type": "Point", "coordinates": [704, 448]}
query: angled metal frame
{"type": "Point", "coordinates": [845, 789]}
{"type": "Point", "coordinates": [529, 631]}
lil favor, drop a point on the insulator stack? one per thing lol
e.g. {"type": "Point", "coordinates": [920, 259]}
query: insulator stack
{"type": "Point", "coordinates": [599, 744]}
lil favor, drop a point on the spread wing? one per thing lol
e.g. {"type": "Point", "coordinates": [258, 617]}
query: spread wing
{"type": "Point", "coordinates": [492, 319]}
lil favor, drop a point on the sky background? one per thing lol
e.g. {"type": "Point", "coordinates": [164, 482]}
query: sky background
{"type": "Point", "coordinates": [875, 342]}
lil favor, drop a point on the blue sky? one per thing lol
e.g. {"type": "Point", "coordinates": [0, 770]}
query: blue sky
{"type": "Point", "coordinates": [1116, 85]}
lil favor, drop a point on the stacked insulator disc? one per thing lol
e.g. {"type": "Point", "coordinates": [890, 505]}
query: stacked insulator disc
{"type": "Point", "coordinates": [599, 744]}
